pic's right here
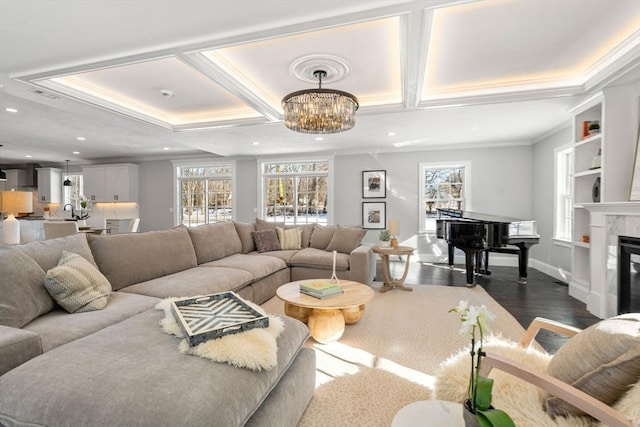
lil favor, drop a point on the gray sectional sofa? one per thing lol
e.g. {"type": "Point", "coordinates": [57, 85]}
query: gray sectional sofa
{"type": "Point", "coordinates": [115, 367]}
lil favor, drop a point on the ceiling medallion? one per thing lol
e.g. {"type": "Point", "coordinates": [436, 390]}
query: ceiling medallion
{"type": "Point", "coordinates": [320, 110]}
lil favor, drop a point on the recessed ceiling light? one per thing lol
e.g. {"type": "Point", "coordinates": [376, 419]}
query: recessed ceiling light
{"type": "Point", "coordinates": [28, 156]}
{"type": "Point", "coordinates": [165, 148]}
{"type": "Point", "coordinates": [319, 138]}
{"type": "Point", "coordinates": [166, 93]}
{"type": "Point", "coordinates": [10, 110]}
{"type": "Point", "coordinates": [81, 138]}
{"type": "Point", "coordinates": [255, 143]}
{"type": "Point", "coordinates": [76, 152]}
{"type": "Point", "coordinates": [391, 134]}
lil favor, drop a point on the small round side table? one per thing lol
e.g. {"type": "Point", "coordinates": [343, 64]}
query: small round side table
{"type": "Point", "coordinates": [432, 413]}
{"type": "Point", "coordinates": [389, 282]}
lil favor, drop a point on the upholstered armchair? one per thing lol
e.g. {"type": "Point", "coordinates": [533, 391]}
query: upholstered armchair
{"type": "Point", "coordinates": [594, 375]}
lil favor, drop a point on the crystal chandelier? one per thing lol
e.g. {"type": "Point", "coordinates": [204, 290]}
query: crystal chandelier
{"type": "Point", "coordinates": [320, 110]}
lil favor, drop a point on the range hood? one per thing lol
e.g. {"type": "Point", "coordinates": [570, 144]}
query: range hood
{"type": "Point", "coordinates": [31, 176]}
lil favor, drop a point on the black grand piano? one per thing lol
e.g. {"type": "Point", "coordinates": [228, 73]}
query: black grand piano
{"type": "Point", "coordinates": [477, 234]}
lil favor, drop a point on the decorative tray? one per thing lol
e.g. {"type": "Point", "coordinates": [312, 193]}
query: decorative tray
{"type": "Point", "coordinates": [206, 317]}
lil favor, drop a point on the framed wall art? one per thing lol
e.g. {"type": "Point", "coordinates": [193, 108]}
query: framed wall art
{"type": "Point", "coordinates": [374, 184]}
{"type": "Point", "coordinates": [374, 215]}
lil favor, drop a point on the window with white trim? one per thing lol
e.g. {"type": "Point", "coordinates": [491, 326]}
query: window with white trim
{"type": "Point", "coordinates": [73, 194]}
{"type": "Point", "coordinates": [563, 195]}
{"type": "Point", "coordinates": [295, 192]}
{"type": "Point", "coordinates": [205, 194]}
{"type": "Point", "coordinates": [443, 185]}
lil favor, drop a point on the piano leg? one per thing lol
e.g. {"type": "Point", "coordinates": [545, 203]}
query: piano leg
{"type": "Point", "coordinates": [523, 261]}
{"type": "Point", "coordinates": [479, 263]}
{"type": "Point", "coordinates": [450, 250]}
{"type": "Point", "coordinates": [469, 258]}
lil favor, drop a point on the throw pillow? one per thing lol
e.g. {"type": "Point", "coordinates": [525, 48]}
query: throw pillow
{"type": "Point", "coordinates": [266, 240]}
{"type": "Point", "coordinates": [603, 361]}
{"type": "Point", "coordinates": [289, 239]}
{"type": "Point", "coordinates": [321, 236]}
{"type": "Point", "coordinates": [77, 285]}
{"type": "Point", "coordinates": [22, 296]}
{"type": "Point", "coordinates": [345, 239]}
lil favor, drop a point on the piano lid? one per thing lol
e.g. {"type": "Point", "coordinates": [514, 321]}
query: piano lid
{"type": "Point", "coordinates": [454, 213]}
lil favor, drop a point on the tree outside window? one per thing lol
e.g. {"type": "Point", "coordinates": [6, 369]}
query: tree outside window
{"type": "Point", "coordinates": [295, 192]}
{"type": "Point", "coordinates": [205, 194]}
{"type": "Point", "coordinates": [443, 188]}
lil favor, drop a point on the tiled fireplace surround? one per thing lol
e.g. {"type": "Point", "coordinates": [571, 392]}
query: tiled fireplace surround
{"type": "Point", "coordinates": [608, 221]}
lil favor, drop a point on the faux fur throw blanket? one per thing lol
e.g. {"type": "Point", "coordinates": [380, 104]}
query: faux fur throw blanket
{"type": "Point", "coordinates": [255, 349]}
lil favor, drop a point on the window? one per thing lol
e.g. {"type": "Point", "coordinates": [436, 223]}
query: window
{"type": "Point", "coordinates": [443, 186]}
{"type": "Point", "coordinates": [71, 195]}
{"type": "Point", "coordinates": [563, 197]}
{"type": "Point", "coordinates": [295, 192]}
{"type": "Point", "coordinates": [205, 194]}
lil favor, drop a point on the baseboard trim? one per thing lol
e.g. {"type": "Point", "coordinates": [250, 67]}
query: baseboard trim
{"type": "Point", "coordinates": [551, 270]}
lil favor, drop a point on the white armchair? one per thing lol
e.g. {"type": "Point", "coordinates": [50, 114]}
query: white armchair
{"type": "Point", "coordinates": [536, 385]}
{"type": "Point", "coordinates": [53, 229]}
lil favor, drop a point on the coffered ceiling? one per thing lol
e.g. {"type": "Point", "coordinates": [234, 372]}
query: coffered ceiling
{"type": "Point", "coordinates": [145, 79]}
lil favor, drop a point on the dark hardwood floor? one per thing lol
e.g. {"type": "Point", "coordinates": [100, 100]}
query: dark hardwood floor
{"type": "Point", "coordinates": [542, 296]}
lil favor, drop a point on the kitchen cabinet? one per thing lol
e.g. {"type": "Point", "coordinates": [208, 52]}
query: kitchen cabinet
{"type": "Point", "coordinates": [49, 185]}
{"type": "Point", "coordinates": [111, 183]}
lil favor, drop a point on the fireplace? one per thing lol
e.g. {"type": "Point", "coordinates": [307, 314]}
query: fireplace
{"type": "Point", "coordinates": [628, 274]}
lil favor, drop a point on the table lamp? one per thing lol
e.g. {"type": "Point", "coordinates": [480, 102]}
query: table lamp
{"type": "Point", "coordinates": [13, 203]}
{"type": "Point", "coordinates": [394, 230]}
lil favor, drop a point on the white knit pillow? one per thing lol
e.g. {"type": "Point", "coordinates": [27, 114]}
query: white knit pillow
{"type": "Point", "coordinates": [76, 285]}
{"type": "Point", "coordinates": [290, 238]}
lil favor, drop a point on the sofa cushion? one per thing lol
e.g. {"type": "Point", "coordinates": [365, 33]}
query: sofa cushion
{"type": "Point", "coordinates": [266, 240]}
{"type": "Point", "coordinates": [316, 258]}
{"type": "Point", "coordinates": [603, 361]}
{"type": "Point", "coordinates": [58, 327]}
{"type": "Point", "coordinates": [131, 258]}
{"type": "Point", "coordinates": [258, 265]}
{"type": "Point", "coordinates": [194, 281]}
{"type": "Point", "coordinates": [261, 224]}
{"type": "Point", "coordinates": [346, 239]}
{"type": "Point", "coordinates": [290, 238]}
{"type": "Point", "coordinates": [76, 285]}
{"type": "Point", "coordinates": [284, 255]}
{"type": "Point", "coordinates": [244, 230]}
{"type": "Point", "coordinates": [215, 241]}
{"type": "Point", "coordinates": [131, 374]}
{"type": "Point", "coordinates": [23, 296]}
{"type": "Point", "coordinates": [321, 236]}
{"type": "Point", "coordinates": [47, 253]}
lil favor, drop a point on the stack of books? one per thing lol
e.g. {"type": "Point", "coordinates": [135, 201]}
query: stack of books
{"type": "Point", "coordinates": [320, 288]}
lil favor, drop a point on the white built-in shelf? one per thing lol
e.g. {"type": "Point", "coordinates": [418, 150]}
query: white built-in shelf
{"type": "Point", "coordinates": [587, 173]}
{"type": "Point", "coordinates": [581, 244]}
{"type": "Point", "coordinates": [588, 140]}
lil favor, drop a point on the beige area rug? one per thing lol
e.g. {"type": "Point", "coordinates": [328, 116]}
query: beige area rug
{"type": "Point", "coordinates": [386, 361]}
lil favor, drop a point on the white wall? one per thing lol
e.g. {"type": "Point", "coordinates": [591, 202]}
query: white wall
{"type": "Point", "coordinates": [156, 195]}
{"type": "Point", "coordinates": [501, 185]}
{"type": "Point", "coordinates": [548, 256]}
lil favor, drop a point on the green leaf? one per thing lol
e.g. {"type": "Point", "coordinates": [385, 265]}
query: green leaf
{"type": "Point", "coordinates": [483, 392]}
{"type": "Point", "coordinates": [494, 418]}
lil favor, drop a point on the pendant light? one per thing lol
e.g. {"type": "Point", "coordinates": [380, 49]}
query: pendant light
{"type": "Point", "coordinates": [67, 182]}
{"type": "Point", "coordinates": [3, 174]}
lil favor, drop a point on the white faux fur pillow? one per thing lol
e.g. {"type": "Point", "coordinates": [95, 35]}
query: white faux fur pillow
{"type": "Point", "coordinates": [255, 349]}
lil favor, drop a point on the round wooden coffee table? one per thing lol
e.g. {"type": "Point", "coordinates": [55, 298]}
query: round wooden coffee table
{"type": "Point", "coordinates": [326, 317]}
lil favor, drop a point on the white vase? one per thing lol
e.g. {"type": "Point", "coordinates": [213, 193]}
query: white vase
{"type": "Point", "coordinates": [82, 223]}
{"type": "Point", "coordinates": [384, 244]}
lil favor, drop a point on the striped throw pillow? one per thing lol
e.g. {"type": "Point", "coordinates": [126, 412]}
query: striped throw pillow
{"type": "Point", "coordinates": [290, 238]}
